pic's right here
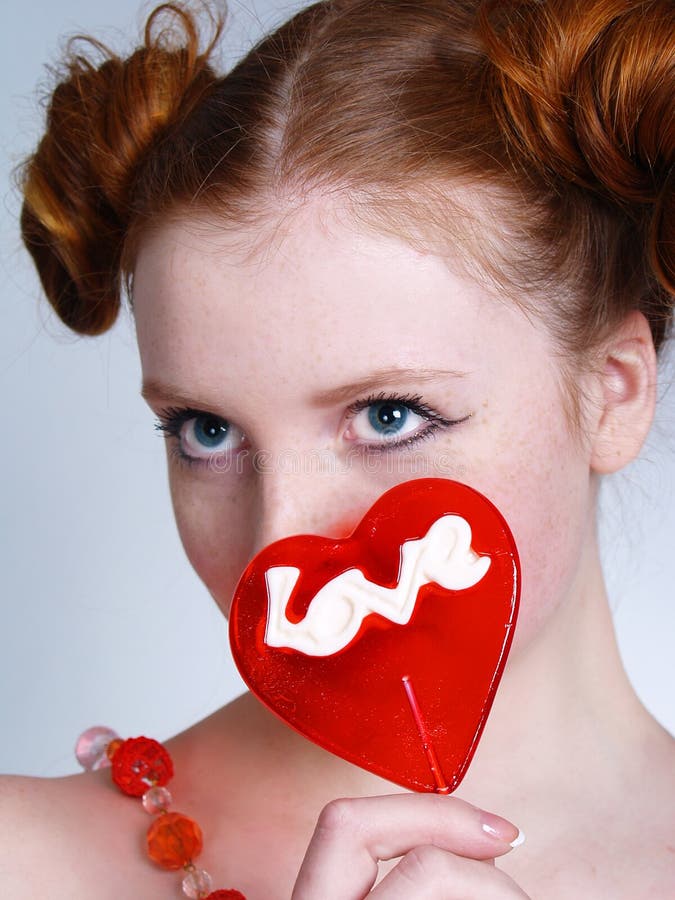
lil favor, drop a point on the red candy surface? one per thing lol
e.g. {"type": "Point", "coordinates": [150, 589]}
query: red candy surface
{"type": "Point", "coordinates": [226, 895]}
{"type": "Point", "coordinates": [138, 763]}
{"type": "Point", "coordinates": [406, 701]}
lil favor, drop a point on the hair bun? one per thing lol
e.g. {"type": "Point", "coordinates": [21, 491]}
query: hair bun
{"type": "Point", "coordinates": [587, 92]}
{"type": "Point", "coordinates": [78, 186]}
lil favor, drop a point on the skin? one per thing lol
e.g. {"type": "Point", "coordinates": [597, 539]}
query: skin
{"type": "Point", "coordinates": [268, 334]}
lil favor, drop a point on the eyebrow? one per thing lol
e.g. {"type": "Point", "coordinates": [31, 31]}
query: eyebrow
{"type": "Point", "coordinates": [166, 392]}
{"type": "Point", "coordinates": [380, 379]}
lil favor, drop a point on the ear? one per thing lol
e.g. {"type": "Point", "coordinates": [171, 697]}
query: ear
{"type": "Point", "coordinates": [627, 394]}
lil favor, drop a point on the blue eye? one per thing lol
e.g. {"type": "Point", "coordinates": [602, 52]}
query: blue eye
{"type": "Point", "coordinates": [388, 418]}
{"type": "Point", "coordinates": [209, 431]}
{"type": "Point", "coordinates": [199, 437]}
{"type": "Point", "coordinates": [389, 422]}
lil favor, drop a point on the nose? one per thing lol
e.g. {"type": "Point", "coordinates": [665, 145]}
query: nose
{"type": "Point", "coordinates": [300, 497]}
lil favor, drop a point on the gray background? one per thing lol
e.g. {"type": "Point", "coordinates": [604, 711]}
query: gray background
{"type": "Point", "coordinates": [102, 619]}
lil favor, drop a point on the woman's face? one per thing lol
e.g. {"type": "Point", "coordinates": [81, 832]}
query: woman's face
{"type": "Point", "coordinates": [299, 380]}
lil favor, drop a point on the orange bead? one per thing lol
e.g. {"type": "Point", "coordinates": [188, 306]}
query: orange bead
{"type": "Point", "coordinates": [174, 841]}
{"type": "Point", "coordinates": [113, 747]}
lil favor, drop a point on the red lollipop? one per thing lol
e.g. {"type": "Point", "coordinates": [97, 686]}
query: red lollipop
{"type": "Point", "coordinates": [386, 647]}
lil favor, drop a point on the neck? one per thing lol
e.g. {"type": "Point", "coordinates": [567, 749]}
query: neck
{"type": "Point", "coordinates": [565, 712]}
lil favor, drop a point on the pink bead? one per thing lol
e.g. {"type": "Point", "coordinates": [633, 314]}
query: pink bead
{"type": "Point", "coordinates": [197, 884]}
{"type": "Point", "coordinates": [156, 800]}
{"type": "Point", "coordinates": [90, 747]}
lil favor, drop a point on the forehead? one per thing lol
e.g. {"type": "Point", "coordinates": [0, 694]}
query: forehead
{"type": "Point", "coordinates": [310, 296]}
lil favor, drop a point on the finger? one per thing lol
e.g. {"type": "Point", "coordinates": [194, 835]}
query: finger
{"type": "Point", "coordinates": [352, 835]}
{"type": "Point", "coordinates": [428, 873]}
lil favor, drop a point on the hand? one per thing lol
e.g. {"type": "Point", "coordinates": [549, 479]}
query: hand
{"type": "Point", "coordinates": [447, 849]}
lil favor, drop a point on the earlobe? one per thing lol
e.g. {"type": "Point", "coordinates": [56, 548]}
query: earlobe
{"type": "Point", "coordinates": [627, 373]}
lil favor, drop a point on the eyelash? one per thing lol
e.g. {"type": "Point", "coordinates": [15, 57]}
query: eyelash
{"type": "Point", "coordinates": [415, 404]}
{"type": "Point", "coordinates": [171, 420]}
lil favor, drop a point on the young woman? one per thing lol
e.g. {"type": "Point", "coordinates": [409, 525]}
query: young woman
{"type": "Point", "coordinates": [396, 237]}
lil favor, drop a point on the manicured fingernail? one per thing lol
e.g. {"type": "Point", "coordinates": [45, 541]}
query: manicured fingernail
{"type": "Point", "coordinates": [503, 830]}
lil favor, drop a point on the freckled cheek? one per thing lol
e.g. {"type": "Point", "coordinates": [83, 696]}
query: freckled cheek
{"type": "Point", "coordinates": [216, 539]}
{"type": "Point", "coordinates": [548, 550]}
{"type": "Point", "coordinates": [541, 488]}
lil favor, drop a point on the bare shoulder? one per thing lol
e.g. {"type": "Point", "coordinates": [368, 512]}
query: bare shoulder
{"type": "Point", "coordinates": [79, 837]}
{"type": "Point", "coordinates": [67, 838]}
{"type": "Point", "coordinates": [36, 817]}
{"type": "Point", "coordinates": [605, 830]}
{"type": "Point", "coordinates": [638, 846]}
{"type": "Point", "coordinates": [640, 852]}
{"type": "Point", "coordinates": [653, 808]}
{"type": "Point", "coordinates": [31, 808]}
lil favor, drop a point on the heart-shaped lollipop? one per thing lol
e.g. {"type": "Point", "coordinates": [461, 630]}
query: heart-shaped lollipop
{"type": "Point", "coordinates": [386, 647]}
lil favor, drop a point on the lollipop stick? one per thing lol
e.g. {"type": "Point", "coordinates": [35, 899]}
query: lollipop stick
{"type": "Point", "coordinates": [427, 745]}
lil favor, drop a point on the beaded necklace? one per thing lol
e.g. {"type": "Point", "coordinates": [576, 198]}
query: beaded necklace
{"type": "Point", "coordinates": [142, 767]}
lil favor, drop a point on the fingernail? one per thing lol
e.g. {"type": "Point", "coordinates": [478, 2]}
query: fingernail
{"type": "Point", "coordinates": [503, 830]}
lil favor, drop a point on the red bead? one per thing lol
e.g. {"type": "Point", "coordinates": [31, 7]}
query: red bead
{"type": "Point", "coordinates": [226, 895]}
{"type": "Point", "coordinates": [174, 841]}
{"type": "Point", "coordinates": [140, 763]}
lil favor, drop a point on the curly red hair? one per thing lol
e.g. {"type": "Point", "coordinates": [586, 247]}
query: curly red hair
{"type": "Point", "coordinates": [562, 112]}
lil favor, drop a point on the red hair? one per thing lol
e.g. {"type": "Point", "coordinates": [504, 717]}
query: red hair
{"type": "Point", "coordinates": [559, 112]}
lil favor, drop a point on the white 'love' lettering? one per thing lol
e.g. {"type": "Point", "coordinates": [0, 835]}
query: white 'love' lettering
{"type": "Point", "coordinates": [443, 556]}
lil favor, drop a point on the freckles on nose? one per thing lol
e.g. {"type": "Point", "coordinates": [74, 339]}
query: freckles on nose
{"type": "Point", "coordinates": [286, 508]}
{"type": "Point", "coordinates": [339, 529]}
{"type": "Point", "coordinates": [344, 527]}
